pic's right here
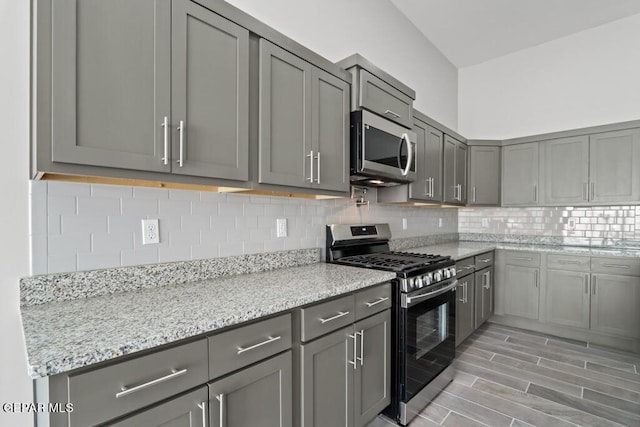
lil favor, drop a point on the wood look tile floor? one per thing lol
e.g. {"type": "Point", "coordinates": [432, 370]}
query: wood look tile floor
{"type": "Point", "coordinates": [511, 377]}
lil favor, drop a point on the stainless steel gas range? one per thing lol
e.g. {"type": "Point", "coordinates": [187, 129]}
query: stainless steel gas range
{"type": "Point", "coordinates": [423, 329]}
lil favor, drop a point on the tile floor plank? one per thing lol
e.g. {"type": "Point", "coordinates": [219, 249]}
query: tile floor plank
{"type": "Point", "coordinates": [497, 348]}
{"type": "Point", "coordinates": [609, 400]}
{"type": "Point", "coordinates": [464, 378]}
{"type": "Point", "coordinates": [435, 412]}
{"type": "Point", "coordinates": [593, 375]}
{"type": "Point", "coordinates": [491, 375]}
{"type": "Point", "coordinates": [457, 420]}
{"type": "Point", "coordinates": [472, 410]}
{"type": "Point", "coordinates": [613, 371]}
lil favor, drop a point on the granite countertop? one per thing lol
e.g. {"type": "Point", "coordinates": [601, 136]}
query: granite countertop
{"type": "Point", "coordinates": [464, 249]}
{"type": "Point", "coordinates": [61, 336]}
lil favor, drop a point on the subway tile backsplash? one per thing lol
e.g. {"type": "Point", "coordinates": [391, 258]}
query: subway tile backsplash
{"type": "Point", "coordinates": [597, 226]}
{"type": "Point", "coordinates": [76, 226]}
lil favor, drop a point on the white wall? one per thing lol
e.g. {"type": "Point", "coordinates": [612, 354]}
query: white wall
{"type": "Point", "coordinates": [378, 31]}
{"type": "Point", "coordinates": [15, 385]}
{"type": "Point", "coordinates": [586, 79]}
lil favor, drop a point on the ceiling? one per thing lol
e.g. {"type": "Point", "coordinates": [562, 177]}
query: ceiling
{"type": "Point", "coordinates": [469, 32]}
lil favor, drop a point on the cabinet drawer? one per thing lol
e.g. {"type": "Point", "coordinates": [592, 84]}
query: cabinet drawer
{"type": "Point", "coordinates": [373, 300]}
{"type": "Point", "coordinates": [465, 266]}
{"type": "Point", "coordinates": [483, 260]}
{"type": "Point", "coordinates": [617, 265]}
{"type": "Point", "coordinates": [245, 345]}
{"type": "Point", "coordinates": [385, 100]}
{"type": "Point", "coordinates": [568, 262]}
{"type": "Point", "coordinates": [522, 259]}
{"type": "Point", "coordinates": [115, 390]}
{"type": "Point", "coordinates": [325, 317]}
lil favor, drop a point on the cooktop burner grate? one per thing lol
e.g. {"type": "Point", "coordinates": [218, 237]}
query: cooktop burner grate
{"type": "Point", "coordinates": [396, 261]}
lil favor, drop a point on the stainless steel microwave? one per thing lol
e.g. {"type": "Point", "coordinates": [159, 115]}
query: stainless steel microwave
{"type": "Point", "coordinates": [382, 153]}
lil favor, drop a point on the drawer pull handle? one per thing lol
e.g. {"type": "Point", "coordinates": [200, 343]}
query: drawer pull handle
{"type": "Point", "coordinates": [485, 260]}
{"type": "Point", "coordinates": [564, 261]}
{"type": "Point", "coordinates": [126, 390]}
{"type": "Point", "coordinates": [371, 304]}
{"type": "Point", "coordinates": [337, 316]}
{"type": "Point", "coordinates": [616, 266]}
{"type": "Point", "coordinates": [393, 114]}
{"type": "Point", "coordinates": [270, 339]}
{"type": "Point", "coordinates": [522, 258]}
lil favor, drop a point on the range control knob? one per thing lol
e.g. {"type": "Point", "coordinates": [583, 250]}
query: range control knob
{"type": "Point", "coordinates": [446, 273]}
{"type": "Point", "coordinates": [419, 283]}
{"type": "Point", "coordinates": [410, 284]}
{"type": "Point", "coordinates": [437, 276]}
{"type": "Point", "coordinates": [427, 279]}
{"type": "Point", "coordinates": [453, 271]}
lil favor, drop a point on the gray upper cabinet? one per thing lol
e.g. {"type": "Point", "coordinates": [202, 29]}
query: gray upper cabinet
{"type": "Point", "coordinates": [484, 176]}
{"type": "Point", "coordinates": [565, 170]}
{"type": "Point", "coordinates": [210, 100]}
{"type": "Point", "coordinates": [153, 85]}
{"type": "Point", "coordinates": [285, 156]}
{"type": "Point", "coordinates": [520, 174]}
{"type": "Point", "coordinates": [110, 82]}
{"type": "Point", "coordinates": [428, 183]}
{"type": "Point", "coordinates": [455, 171]}
{"type": "Point", "coordinates": [383, 99]}
{"type": "Point", "coordinates": [614, 165]}
{"type": "Point", "coordinates": [304, 123]}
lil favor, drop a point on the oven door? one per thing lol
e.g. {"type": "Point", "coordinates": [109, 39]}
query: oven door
{"type": "Point", "coordinates": [428, 332]}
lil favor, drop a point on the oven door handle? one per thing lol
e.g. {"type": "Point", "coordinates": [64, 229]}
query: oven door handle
{"type": "Point", "coordinates": [408, 301]}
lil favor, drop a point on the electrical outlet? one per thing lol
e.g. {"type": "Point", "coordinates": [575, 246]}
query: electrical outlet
{"type": "Point", "coordinates": [571, 224]}
{"type": "Point", "coordinates": [150, 231]}
{"type": "Point", "coordinates": [281, 227]}
{"type": "Point", "coordinates": [404, 223]}
{"type": "Point", "coordinates": [485, 222]}
{"type": "Point", "coordinates": [439, 222]}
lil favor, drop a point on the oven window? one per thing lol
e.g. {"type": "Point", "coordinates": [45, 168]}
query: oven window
{"type": "Point", "coordinates": [431, 330]}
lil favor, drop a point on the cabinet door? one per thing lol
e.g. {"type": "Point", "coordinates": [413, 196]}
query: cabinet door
{"type": "Point", "coordinates": [521, 291]}
{"type": "Point", "coordinates": [210, 84]}
{"type": "Point", "coordinates": [433, 163]}
{"type": "Point", "coordinates": [450, 190]}
{"type": "Point", "coordinates": [484, 176]}
{"type": "Point", "coordinates": [461, 171]}
{"type": "Point", "coordinates": [419, 189]}
{"type": "Point", "coordinates": [465, 321]}
{"type": "Point", "coordinates": [567, 298]}
{"type": "Point", "coordinates": [483, 296]}
{"type": "Point", "coordinates": [189, 410]}
{"type": "Point", "coordinates": [565, 163]}
{"type": "Point", "coordinates": [327, 369]}
{"type": "Point", "coordinates": [260, 395]}
{"type": "Point", "coordinates": [615, 304]}
{"type": "Point", "coordinates": [285, 118]}
{"type": "Point", "coordinates": [330, 130]}
{"type": "Point", "coordinates": [520, 174]}
{"type": "Point", "coordinates": [373, 373]}
{"type": "Point", "coordinates": [614, 165]}
{"type": "Point", "coordinates": [111, 68]}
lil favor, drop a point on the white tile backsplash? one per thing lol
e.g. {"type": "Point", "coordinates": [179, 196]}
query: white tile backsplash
{"type": "Point", "coordinates": [78, 226]}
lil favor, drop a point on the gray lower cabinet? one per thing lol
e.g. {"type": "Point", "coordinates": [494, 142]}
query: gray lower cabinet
{"type": "Point", "coordinates": [521, 291]}
{"type": "Point", "coordinates": [520, 174]}
{"type": "Point", "coordinates": [304, 123]}
{"type": "Point", "coordinates": [455, 171]}
{"type": "Point", "coordinates": [189, 410]}
{"type": "Point", "coordinates": [260, 395]}
{"type": "Point", "coordinates": [565, 170]}
{"type": "Point", "coordinates": [567, 298]}
{"type": "Point", "coordinates": [483, 283]}
{"type": "Point", "coordinates": [465, 320]}
{"type": "Point", "coordinates": [615, 304]}
{"type": "Point", "coordinates": [149, 85]}
{"type": "Point", "coordinates": [484, 176]}
{"type": "Point", "coordinates": [614, 166]}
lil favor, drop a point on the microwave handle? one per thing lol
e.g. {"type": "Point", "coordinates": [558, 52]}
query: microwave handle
{"type": "Point", "coordinates": [405, 137]}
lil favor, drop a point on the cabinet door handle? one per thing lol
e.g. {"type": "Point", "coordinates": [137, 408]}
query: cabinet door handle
{"type": "Point", "coordinates": [536, 278]}
{"type": "Point", "coordinates": [461, 299]}
{"type": "Point", "coordinates": [203, 408]}
{"type": "Point", "coordinates": [432, 187]}
{"type": "Point", "coordinates": [392, 114]}
{"type": "Point", "coordinates": [426, 187]}
{"type": "Point", "coordinates": [381, 300]}
{"type": "Point", "coordinates": [221, 398]}
{"type": "Point", "coordinates": [260, 344]}
{"type": "Point", "coordinates": [473, 192]}
{"type": "Point", "coordinates": [488, 282]}
{"type": "Point", "coordinates": [585, 191]}
{"type": "Point", "coordinates": [337, 316]}
{"type": "Point", "coordinates": [126, 390]}
{"type": "Point", "coordinates": [361, 358]}
{"type": "Point", "coordinates": [310, 156]}
{"type": "Point", "coordinates": [586, 285]}
{"type": "Point", "coordinates": [593, 285]}
{"type": "Point", "coordinates": [466, 288]}
{"type": "Point", "coordinates": [355, 355]}
{"type": "Point", "coordinates": [565, 261]}
{"type": "Point", "coordinates": [165, 125]}
{"type": "Point", "coordinates": [593, 190]}
{"type": "Point", "coordinates": [535, 193]}
{"type": "Point", "coordinates": [318, 171]}
{"type": "Point", "coordinates": [626, 267]}
{"type": "Point", "coordinates": [181, 133]}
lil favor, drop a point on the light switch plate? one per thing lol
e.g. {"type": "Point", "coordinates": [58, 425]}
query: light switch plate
{"type": "Point", "coordinates": [150, 232]}
{"type": "Point", "coordinates": [281, 227]}
{"type": "Point", "coordinates": [404, 223]}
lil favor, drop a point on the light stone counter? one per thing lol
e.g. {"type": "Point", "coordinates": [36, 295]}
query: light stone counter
{"type": "Point", "coordinates": [65, 335]}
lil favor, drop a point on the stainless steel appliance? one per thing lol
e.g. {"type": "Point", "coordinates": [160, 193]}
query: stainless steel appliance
{"type": "Point", "coordinates": [423, 331]}
{"type": "Point", "coordinates": [382, 152]}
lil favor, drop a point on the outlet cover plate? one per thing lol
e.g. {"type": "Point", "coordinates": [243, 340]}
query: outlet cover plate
{"type": "Point", "coordinates": [281, 227]}
{"type": "Point", "coordinates": [150, 232]}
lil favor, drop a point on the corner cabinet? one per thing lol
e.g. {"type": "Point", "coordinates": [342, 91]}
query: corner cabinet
{"type": "Point", "coordinates": [520, 174]}
{"type": "Point", "coordinates": [304, 123]}
{"type": "Point", "coordinates": [455, 171]}
{"type": "Point", "coordinates": [149, 85]}
{"type": "Point", "coordinates": [484, 176]}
